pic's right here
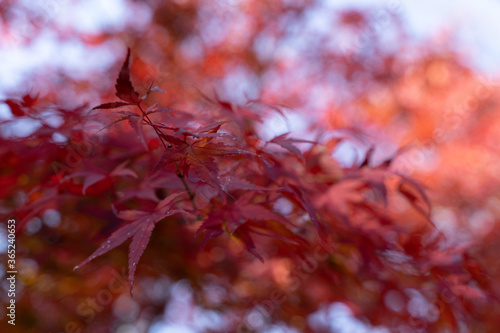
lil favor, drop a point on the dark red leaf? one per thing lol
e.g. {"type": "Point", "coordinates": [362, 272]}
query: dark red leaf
{"type": "Point", "coordinates": [210, 128]}
{"type": "Point", "coordinates": [117, 238]}
{"type": "Point", "coordinates": [140, 230]}
{"type": "Point", "coordinates": [173, 139]}
{"type": "Point", "coordinates": [112, 105]}
{"type": "Point", "coordinates": [307, 205]}
{"type": "Point", "coordinates": [219, 149]}
{"type": "Point", "coordinates": [206, 168]}
{"type": "Point", "coordinates": [212, 227]}
{"type": "Point", "coordinates": [124, 89]}
{"type": "Point", "coordinates": [287, 143]}
{"type": "Point", "coordinates": [121, 170]}
{"type": "Point", "coordinates": [170, 155]}
{"type": "Point", "coordinates": [29, 101]}
{"type": "Point", "coordinates": [415, 194]}
{"type": "Point", "coordinates": [139, 242]}
{"type": "Point", "coordinates": [137, 125]}
{"type": "Point", "coordinates": [91, 180]}
{"type": "Point", "coordinates": [234, 183]}
{"type": "Point", "coordinates": [243, 235]}
{"type": "Point", "coordinates": [15, 108]}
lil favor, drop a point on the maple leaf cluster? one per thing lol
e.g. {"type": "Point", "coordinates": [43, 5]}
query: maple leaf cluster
{"type": "Point", "coordinates": [210, 171]}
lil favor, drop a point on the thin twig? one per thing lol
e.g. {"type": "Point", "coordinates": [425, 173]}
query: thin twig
{"type": "Point", "coordinates": [179, 173]}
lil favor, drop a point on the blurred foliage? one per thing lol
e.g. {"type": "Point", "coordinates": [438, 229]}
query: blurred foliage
{"type": "Point", "coordinates": [356, 81]}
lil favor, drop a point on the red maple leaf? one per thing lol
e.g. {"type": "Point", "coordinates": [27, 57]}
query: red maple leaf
{"type": "Point", "coordinates": [139, 228]}
{"type": "Point", "coordinates": [124, 88]}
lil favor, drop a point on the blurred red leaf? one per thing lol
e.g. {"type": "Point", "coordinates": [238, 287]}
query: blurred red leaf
{"type": "Point", "coordinates": [124, 89]}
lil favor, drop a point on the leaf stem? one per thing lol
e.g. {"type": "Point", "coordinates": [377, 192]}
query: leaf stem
{"type": "Point", "coordinates": [179, 173]}
{"type": "Point", "coordinates": [181, 176]}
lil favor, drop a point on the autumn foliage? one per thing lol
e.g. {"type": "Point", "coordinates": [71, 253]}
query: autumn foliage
{"type": "Point", "coordinates": [182, 186]}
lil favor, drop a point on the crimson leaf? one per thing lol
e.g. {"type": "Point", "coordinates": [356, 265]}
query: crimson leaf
{"type": "Point", "coordinates": [124, 89]}
{"type": "Point", "coordinates": [140, 230]}
{"type": "Point", "coordinates": [287, 143]}
{"type": "Point", "coordinates": [112, 105]}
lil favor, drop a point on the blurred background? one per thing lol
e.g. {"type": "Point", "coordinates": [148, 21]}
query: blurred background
{"type": "Point", "coordinates": [422, 75]}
